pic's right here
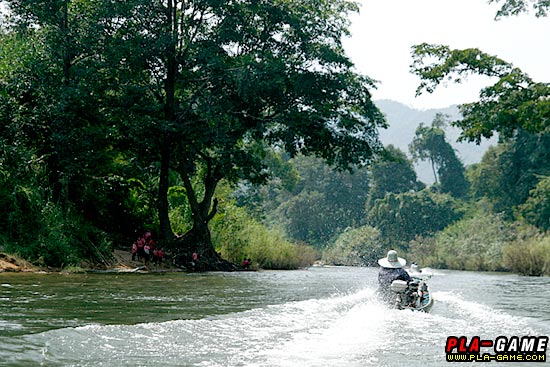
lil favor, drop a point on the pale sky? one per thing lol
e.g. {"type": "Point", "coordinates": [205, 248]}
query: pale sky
{"type": "Point", "coordinates": [385, 30]}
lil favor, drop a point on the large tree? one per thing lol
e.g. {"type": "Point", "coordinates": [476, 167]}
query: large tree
{"type": "Point", "coordinates": [515, 101]}
{"type": "Point", "coordinates": [403, 217]}
{"type": "Point", "coordinates": [430, 143]}
{"type": "Point", "coordinates": [53, 61]}
{"type": "Point", "coordinates": [536, 209]}
{"type": "Point", "coordinates": [233, 78]}
{"type": "Point", "coordinates": [508, 172]}
{"type": "Point", "coordinates": [515, 106]}
{"type": "Point", "coordinates": [199, 89]}
{"type": "Point", "coordinates": [392, 172]}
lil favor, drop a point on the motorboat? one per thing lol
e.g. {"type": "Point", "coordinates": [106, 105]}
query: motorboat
{"type": "Point", "coordinates": [413, 295]}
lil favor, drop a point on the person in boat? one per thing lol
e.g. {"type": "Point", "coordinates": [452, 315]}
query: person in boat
{"type": "Point", "coordinates": [391, 268]}
{"type": "Point", "coordinates": [415, 269]}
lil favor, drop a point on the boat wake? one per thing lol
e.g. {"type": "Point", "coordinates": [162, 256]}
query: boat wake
{"type": "Point", "coordinates": [349, 329]}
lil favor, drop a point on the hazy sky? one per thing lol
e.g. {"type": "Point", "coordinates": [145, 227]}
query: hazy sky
{"type": "Point", "coordinates": [385, 30]}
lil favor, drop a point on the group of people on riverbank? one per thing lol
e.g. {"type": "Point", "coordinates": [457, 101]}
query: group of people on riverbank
{"type": "Point", "coordinates": [144, 249]}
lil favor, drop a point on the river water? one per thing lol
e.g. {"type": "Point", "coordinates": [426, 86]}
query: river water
{"type": "Point", "coordinates": [316, 317]}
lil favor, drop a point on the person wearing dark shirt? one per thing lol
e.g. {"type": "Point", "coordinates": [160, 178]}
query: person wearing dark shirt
{"type": "Point", "coordinates": [391, 268]}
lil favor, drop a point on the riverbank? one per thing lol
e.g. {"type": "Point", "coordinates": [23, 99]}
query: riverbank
{"type": "Point", "coordinates": [10, 263]}
{"type": "Point", "coordinates": [121, 262]}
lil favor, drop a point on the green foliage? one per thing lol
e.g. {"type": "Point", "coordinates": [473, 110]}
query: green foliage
{"type": "Point", "coordinates": [392, 172]}
{"type": "Point", "coordinates": [33, 226]}
{"type": "Point", "coordinates": [513, 102]}
{"type": "Point", "coordinates": [515, 7]}
{"type": "Point", "coordinates": [227, 229]}
{"type": "Point", "coordinates": [536, 209]}
{"type": "Point", "coordinates": [236, 235]}
{"type": "Point", "coordinates": [324, 202]}
{"type": "Point", "coordinates": [263, 199]}
{"type": "Point", "coordinates": [180, 213]}
{"type": "Point", "coordinates": [402, 217]}
{"type": "Point", "coordinates": [424, 252]}
{"type": "Point", "coordinates": [306, 219]}
{"type": "Point", "coordinates": [474, 243]}
{"type": "Point", "coordinates": [270, 250]}
{"type": "Point", "coordinates": [54, 110]}
{"type": "Point", "coordinates": [321, 203]}
{"type": "Point", "coordinates": [138, 201]}
{"type": "Point", "coordinates": [20, 216]}
{"type": "Point", "coordinates": [430, 144]}
{"type": "Point", "coordinates": [529, 256]}
{"type": "Point", "coordinates": [355, 247]}
{"type": "Point", "coordinates": [58, 238]}
{"type": "Point", "coordinates": [508, 172]}
{"type": "Point", "coordinates": [437, 63]}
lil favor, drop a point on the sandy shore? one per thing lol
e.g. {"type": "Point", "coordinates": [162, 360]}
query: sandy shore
{"type": "Point", "coordinates": [15, 264]}
{"type": "Point", "coordinates": [121, 263]}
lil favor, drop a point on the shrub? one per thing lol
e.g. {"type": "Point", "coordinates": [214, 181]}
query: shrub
{"type": "Point", "coordinates": [424, 252]}
{"type": "Point", "coordinates": [529, 256]}
{"type": "Point", "coordinates": [474, 243]}
{"type": "Point", "coordinates": [402, 217]}
{"type": "Point", "coordinates": [62, 239]}
{"type": "Point", "coordinates": [536, 210]}
{"type": "Point", "coordinates": [355, 247]}
{"type": "Point", "coordinates": [236, 235]}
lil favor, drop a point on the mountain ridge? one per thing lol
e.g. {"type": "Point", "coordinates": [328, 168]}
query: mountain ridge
{"type": "Point", "coordinates": [403, 121]}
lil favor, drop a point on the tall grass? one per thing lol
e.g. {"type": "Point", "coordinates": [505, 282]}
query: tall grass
{"type": "Point", "coordinates": [529, 256]}
{"type": "Point", "coordinates": [355, 247]}
{"type": "Point", "coordinates": [237, 235]}
{"type": "Point", "coordinates": [62, 239]}
{"type": "Point", "coordinates": [45, 233]}
{"type": "Point", "coordinates": [474, 243]}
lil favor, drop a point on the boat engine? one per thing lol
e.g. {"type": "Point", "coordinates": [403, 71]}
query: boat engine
{"type": "Point", "coordinates": [407, 295]}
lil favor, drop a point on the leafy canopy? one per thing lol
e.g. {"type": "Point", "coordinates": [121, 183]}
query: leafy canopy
{"type": "Point", "coordinates": [393, 172]}
{"type": "Point", "coordinates": [514, 101]}
{"type": "Point", "coordinates": [429, 143]}
{"type": "Point", "coordinates": [515, 7]}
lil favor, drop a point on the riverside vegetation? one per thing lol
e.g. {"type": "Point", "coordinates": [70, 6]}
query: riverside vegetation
{"type": "Point", "coordinates": [166, 117]}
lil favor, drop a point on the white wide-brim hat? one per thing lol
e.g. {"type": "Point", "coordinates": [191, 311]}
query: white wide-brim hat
{"type": "Point", "coordinates": [392, 261]}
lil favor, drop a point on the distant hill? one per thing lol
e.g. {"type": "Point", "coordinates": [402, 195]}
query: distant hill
{"type": "Point", "coordinates": [403, 121]}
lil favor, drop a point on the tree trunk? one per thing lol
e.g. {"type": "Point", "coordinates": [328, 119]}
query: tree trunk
{"type": "Point", "coordinates": [64, 29]}
{"type": "Point", "coordinates": [432, 161]}
{"type": "Point", "coordinates": [198, 239]}
{"type": "Point", "coordinates": [166, 233]}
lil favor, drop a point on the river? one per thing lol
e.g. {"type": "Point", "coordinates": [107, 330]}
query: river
{"type": "Point", "coordinates": [323, 316]}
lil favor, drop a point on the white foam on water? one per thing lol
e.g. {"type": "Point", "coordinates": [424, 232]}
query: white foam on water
{"type": "Point", "coordinates": [479, 319]}
{"type": "Point", "coordinates": [235, 339]}
{"type": "Point", "coordinates": [344, 330]}
{"type": "Point", "coordinates": [338, 339]}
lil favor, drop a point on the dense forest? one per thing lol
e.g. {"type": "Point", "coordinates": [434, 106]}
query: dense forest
{"type": "Point", "coordinates": [241, 129]}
